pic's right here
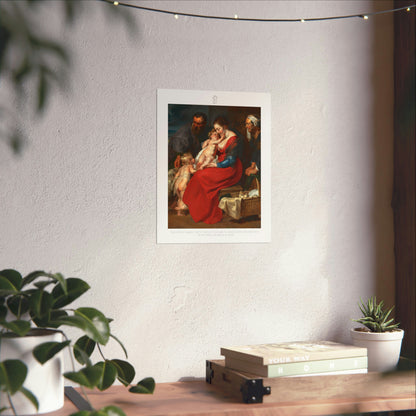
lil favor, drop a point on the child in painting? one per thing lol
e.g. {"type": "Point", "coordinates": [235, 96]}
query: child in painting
{"type": "Point", "coordinates": [206, 157]}
{"type": "Point", "coordinates": [182, 178]}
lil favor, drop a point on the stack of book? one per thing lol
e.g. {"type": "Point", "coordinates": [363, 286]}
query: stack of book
{"type": "Point", "coordinates": [296, 359]}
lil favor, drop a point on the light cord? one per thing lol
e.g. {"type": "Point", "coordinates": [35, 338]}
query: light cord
{"type": "Point", "coordinates": [364, 16]}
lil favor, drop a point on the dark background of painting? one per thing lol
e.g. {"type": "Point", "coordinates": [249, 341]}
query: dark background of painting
{"type": "Point", "coordinates": [180, 114]}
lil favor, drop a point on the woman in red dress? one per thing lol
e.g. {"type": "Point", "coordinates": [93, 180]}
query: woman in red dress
{"type": "Point", "coordinates": [201, 194]}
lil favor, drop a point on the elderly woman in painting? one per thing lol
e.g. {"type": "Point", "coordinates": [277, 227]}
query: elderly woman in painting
{"type": "Point", "coordinates": [201, 194]}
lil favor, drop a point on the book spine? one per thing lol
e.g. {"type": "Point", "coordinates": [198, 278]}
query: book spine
{"type": "Point", "coordinates": [290, 369]}
{"type": "Point", "coordinates": [314, 356]}
{"type": "Point", "coordinates": [334, 373]}
{"type": "Point", "coordinates": [312, 367]}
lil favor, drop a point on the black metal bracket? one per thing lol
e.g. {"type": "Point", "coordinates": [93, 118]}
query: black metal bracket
{"type": "Point", "coordinates": [209, 372]}
{"type": "Point", "coordinates": [77, 399]}
{"type": "Point", "coordinates": [253, 391]}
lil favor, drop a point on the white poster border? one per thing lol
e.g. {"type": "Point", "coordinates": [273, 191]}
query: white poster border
{"type": "Point", "coordinates": [212, 235]}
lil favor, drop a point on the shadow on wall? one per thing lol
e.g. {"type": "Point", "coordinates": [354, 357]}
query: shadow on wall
{"type": "Point", "coordinates": [46, 64]}
{"type": "Point", "coordinates": [369, 187]}
{"type": "Point", "coordinates": [383, 139]}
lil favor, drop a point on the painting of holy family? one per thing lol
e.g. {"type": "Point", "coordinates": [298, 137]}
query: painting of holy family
{"type": "Point", "coordinates": [213, 166]}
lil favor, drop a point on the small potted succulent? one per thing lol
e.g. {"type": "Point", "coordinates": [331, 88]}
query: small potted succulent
{"type": "Point", "coordinates": [380, 335]}
{"type": "Point", "coordinates": [34, 310]}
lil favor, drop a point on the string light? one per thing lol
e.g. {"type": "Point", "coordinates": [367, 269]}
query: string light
{"type": "Point", "coordinates": [246, 19]}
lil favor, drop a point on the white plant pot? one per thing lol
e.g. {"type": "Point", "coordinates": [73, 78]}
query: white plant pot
{"type": "Point", "coordinates": [383, 348]}
{"type": "Point", "coordinates": [44, 381]}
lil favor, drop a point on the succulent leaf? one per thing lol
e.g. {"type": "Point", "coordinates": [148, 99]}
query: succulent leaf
{"type": "Point", "coordinates": [374, 317]}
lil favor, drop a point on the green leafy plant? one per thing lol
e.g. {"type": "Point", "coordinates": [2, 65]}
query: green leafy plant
{"type": "Point", "coordinates": [374, 317]}
{"type": "Point", "coordinates": [41, 300]}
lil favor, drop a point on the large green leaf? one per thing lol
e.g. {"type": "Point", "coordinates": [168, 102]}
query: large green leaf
{"type": "Point", "coordinates": [7, 287]}
{"type": "Point", "coordinates": [83, 349]}
{"type": "Point", "coordinates": [108, 374]}
{"type": "Point", "coordinates": [92, 322]}
{"type": "Point", "coordinates": [31, 277]}
{"type": "Point", "coordinates": [40, 304]}
{"type": "Point", "coordinates": [45, 351]}
{"type": "Point", "coordinates": [18, 304]}
{"type": "Point", "coordinates": [29, 395]}
{"type": "Point", "coordinates": [43, 284]}
{"type": "Point", "coordinates": [51, 278]}
{"type": "Point", "coordinates": [88, 377]}
{"type": "Point", "coordinates": [12, 375]}
{"type": "Point", "coordinates": [3, 312]}
{"type": "Point", "coordinates": [98, 328]}
{"type": "Point", "coordinates": [82, 357]}
{"type": "Point", "coordinates": [75, 321]}
{"type": "Point", "coordinates": [54, 316]}
{"type": "Point", "coordinates": [18, 327]}
{"type": "Point", "coordinates": [61, 280]}
{"type": "Point", "coordinates": [75, 288]}
{"type": "Point", "coordinates": [145, 386]}
{"type": "Point", "coordinates": [13, 276]}
{"type": "Point", "coordinates": [125, 371]}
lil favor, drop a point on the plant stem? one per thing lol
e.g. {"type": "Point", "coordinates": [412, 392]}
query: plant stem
{"type": "Point", "coordinates": [73, 369]}
{"type": "Point", "coordinates": [19, 310]}
{"type": "Point", "coordinates": [11, 404]}
{"type": "Point", "coordinates": [101, 353]}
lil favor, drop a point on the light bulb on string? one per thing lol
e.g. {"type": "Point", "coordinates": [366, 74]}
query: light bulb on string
{"type": "Point", "coordinates": [176, 17]}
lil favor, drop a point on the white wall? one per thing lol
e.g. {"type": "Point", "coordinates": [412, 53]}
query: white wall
{"type": "Point", "coordinates": [82, 197]}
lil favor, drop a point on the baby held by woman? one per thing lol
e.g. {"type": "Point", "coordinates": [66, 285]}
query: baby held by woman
{"type": "Point", "coordinates": [206, 157]}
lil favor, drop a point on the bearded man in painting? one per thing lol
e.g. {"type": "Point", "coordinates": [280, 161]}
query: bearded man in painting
{"type": "Point", "coordinates": [189, 137]}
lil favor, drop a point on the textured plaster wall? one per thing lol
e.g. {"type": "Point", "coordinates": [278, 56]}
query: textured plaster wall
{"type": "Point", "coordinates": [82, 197]}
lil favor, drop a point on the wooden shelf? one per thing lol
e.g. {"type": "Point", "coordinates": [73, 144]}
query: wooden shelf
{"type": "Point", "coordinates": [198, 398]}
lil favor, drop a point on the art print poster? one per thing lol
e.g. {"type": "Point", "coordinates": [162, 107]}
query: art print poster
{"type": "Point", "coordinates": [213, 167]}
